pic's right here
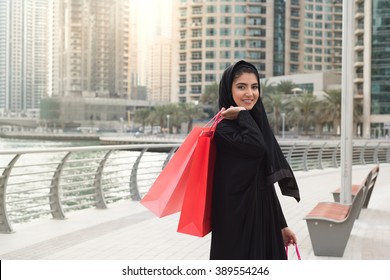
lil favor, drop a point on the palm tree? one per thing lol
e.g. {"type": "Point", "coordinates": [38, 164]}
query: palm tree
{"type": "Point", "coordinates": [274, 103]}
{"type": "Point", "coordinates": [305, 106]}
{"type": "Point", "coordinates": [266, 87]}
{"type": "Point", "coordinates": [331, 108]}
{"type": "Point", "coordinates": [141, 116]}
{"type": "Point", "coordinates": [190, 112]}
{"type": "Point", "coordinates": [159, 115]}
{"type": "Point", "coordinates": [286, 87]}
{"type": "Point", "coordinates": [210, 98]}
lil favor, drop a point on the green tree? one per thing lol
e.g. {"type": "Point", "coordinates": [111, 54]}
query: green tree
{"type": "Point", "coordinates": [286, 87]}
{"type": "Point", "coordinates": [274, 103]}
{"type": "Point", "coordinates": [331, 108]}
{"type": "Point", "coordinates": [266, 87]}
{"type": "Point", "coordinates": [210, 98]}
{"type": "Point", "coordinates": [141, 116]}
{"type": "Point", "coordinates": [305, 108]}
{"type": "Point", "coordinates": [190, 112]}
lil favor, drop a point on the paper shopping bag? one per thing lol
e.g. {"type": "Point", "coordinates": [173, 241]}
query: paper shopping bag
{"type": "Point", "coordinates": [195, 217]}
{"type": "Point", "coordinates": [166, 195]}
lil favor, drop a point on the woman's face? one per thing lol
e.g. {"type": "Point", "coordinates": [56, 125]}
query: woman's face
{"type": "Point", "coordinates": [245, 90]}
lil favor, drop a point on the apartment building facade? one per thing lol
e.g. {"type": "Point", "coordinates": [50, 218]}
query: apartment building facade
{"type": "Point", "coordinates": [91, 53]}
{"type": "Point", "coordinates": [22, 54]}
{"type": "Point", "coordinates": [283, 38]}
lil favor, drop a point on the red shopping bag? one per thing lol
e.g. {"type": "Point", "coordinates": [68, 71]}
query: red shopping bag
{"type": "Point", "coordinates": [195, 217]}
{"type": "Point", "coordinates": [166, 195]}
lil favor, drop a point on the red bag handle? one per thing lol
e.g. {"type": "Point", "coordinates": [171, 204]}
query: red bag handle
{"type": "Point", "coordinates": [212, 124]}
{"type": "Point", "coordinates": [214, 121]}
{"type": "Point", "coordinates": [296, 250]}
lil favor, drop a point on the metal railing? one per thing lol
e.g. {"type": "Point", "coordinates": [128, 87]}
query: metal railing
{"type": "Point", "coordinates": [42, 182]}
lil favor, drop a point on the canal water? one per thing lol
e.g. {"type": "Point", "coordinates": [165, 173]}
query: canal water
{"type": "Point", "coordinates": [25, 190]}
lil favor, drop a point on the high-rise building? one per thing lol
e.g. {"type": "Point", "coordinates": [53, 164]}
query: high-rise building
{"type": "Point", "coordinates": [93, 48]}
{"type": "Point", "coordinates": [211, 35]}
{"type": "Point", "coordinates": [279, 37]}
{"type": "Point", "coordinates": [373, 64]}
{"type": "Point", "coordinates": [22, 54]}
{"type": "Point", "coordinates": [313, 35]}
{"type": "Point", "coordinates": [159, 82]}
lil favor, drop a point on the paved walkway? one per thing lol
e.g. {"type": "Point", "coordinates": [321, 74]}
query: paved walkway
{"type": "Point", "coordinates": [127, 231]}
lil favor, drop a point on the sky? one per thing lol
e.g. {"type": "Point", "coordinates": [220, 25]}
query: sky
{"type": "Point", "coordinates": [154, 18]}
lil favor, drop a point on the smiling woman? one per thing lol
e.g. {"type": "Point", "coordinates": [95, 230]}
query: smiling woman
{"type": "Point", "coordinates": [245, 89]}
{"type": "Point", "coordinates": [247, 218]}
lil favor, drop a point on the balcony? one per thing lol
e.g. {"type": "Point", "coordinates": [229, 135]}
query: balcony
{"type": "Point", "coordinates": [359, 46]}
{"type": "Point", "coordinates": [359, 13]}
{"type": "Point", "coordinates": [359, 29]}
{"type": "Point", "coordinates": [359, 78]}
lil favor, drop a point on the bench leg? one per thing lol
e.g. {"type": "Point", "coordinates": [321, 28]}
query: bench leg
{"type": "Point", "coordinates": [327, 238]}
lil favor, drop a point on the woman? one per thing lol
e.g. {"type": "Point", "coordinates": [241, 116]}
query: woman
{"type": "Point", "coordinates": [247, 219]}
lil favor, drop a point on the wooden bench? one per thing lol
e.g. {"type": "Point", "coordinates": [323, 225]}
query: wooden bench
{"type": "Point", "coordinates": [369, 182]}
{"type": "Point", "coordinates": [330, 225]}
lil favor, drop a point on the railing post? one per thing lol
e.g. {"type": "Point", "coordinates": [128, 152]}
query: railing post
{"type": "Point", "coordinates": [376, 159]}
{"type": "Point", "coordinates": [169, 156]}
{"type": "Point", "coordinates": [55, 194]}
{"type": "Point", "coordinates": [134, 191]}
{"type": "Point", "coordinates": [100, 202]}
{"type": "Point", "coordinates": [5, 225]}
{"type": "Point", "coordinates": [334, 156]}
{"type": "Point", "coordinates": [319, 157]}
{"type": "Point", "coordinates": [305, 166]}
{"type": "Point", "coordinates": [290, 153]}
{"type": "Point", "coordinates": [388, 155]}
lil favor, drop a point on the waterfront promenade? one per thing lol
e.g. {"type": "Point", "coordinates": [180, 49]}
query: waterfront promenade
{"type": "Point", "coordinates": [128, 231]}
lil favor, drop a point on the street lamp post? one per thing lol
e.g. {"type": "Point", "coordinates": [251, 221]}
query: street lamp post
{"type": "Point", "coordinates": [283, 122]}
{"type": "Point", "coordinates": [168, 117]}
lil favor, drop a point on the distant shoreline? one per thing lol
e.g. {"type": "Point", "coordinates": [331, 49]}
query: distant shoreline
{"type": "Point", "coordinates": [102, 139]}
{"type": "Point", "coordinates": [50, 136]}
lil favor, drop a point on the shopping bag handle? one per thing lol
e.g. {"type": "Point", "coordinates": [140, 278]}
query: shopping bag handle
{"type": "Point", "coordinates": [296, 250]}
{"type": "Point", "coordinates": [214, 120]}
{"type": "Point", "coordinates": [212, 124]}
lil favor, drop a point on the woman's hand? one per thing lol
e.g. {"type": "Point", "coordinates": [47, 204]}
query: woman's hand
{"type": "Point", "coordinates": [231, 113]}
{"type": "Point", "coordinates": [289, 236]}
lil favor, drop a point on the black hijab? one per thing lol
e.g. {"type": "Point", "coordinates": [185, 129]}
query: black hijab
{"type": "Point", "coordinates": [278, 168]}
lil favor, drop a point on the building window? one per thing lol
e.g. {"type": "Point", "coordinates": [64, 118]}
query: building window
{"type": "Point", "coordinates": [239, 43]}
{"type": "Point", "coordinates": [210, 66]}
{"type": "Point", "coordinates": [224, 43]}
{"type": "Point", "coordinates": [210, 32]}
{"type": "Point", "coordinates": [225, 31]}
{"type": "Point", "coordinates": [224, 54]}
{"type": "Point", "coordinates": [196, 66]}
{"type": "Point", "coordinates": [239, 54]}
{"type": "Point", "coordinates": [211, 9]}
{"type": "Point", "coordinates": [226, 20]}
{"type": "Point", "coordinates": [210, 43]}
{"type": "Point", "coordinates": [196, 89]}
{"type": "Point", "coordinates": [210, 54]}
{"type": "Point", "coordinates": [196, 55]}
{"type": "Point", "coordinates": [196, 78]}
{"type": "Point", "coordinates": [182, 90]}
{"type": "Point", "coordinates": [210, 78]}
{"type": "Point", "coordinates": [210, 20]}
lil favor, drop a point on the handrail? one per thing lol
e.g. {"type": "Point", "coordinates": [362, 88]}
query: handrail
{"type": "Point", "coordinates": [95, 176]}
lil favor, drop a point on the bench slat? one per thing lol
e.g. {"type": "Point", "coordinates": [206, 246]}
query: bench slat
{"type": "Point", "coordinates": [330, 210]}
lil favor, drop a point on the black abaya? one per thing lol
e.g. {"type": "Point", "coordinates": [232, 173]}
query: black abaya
{"type": "Point", "coordinates": [246, 215]}
{"type": "Point", "coordinates": [247, 219]}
